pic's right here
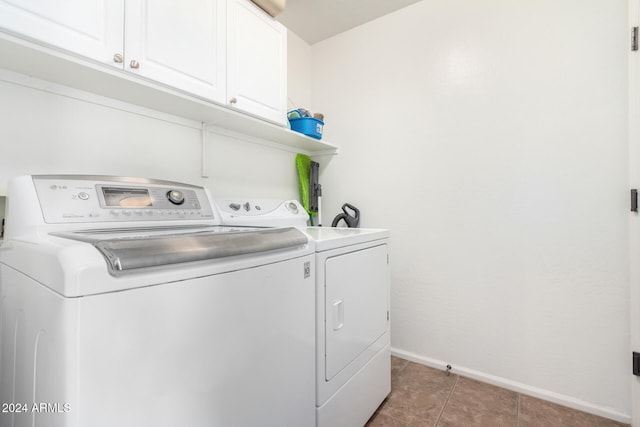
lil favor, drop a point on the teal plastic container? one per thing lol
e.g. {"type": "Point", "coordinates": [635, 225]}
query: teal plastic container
{"type": "Point", "coordinates": [308, 125]}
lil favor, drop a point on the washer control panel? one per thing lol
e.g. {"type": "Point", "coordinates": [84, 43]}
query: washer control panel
{"type": "Point", "coordinates": [76, 198]}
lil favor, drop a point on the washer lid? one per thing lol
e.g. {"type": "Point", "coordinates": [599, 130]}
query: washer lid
{"type": "Point", "coordinates": [131, 253]}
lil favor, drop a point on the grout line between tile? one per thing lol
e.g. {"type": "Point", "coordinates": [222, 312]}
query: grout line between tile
{"type": "Point", "coordinates": [518, 410]}
{"type": "Point", "coordinates": [446, 402]}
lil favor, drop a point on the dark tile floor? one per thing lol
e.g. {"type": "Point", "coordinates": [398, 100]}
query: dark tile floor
{"type": "Point", "coordinates": [422, 396]}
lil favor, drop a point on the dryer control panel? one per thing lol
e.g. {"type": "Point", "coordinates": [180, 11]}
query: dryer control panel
{"type": "Point", "coordinates": [261, 212]}
{"type": "Point", "coordinates": [90, 199]}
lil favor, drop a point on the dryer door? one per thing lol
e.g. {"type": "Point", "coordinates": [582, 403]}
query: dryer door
{"type": "Point", "coordinates": [356, 304]}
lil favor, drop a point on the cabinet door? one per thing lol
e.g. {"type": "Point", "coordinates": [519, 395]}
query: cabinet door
{"type": "Point", "coordinates": [180, 44]}
{"type": "Point", "coordinates": [257, 62]}
{"type": "Point", "coordinates": [90, 28]}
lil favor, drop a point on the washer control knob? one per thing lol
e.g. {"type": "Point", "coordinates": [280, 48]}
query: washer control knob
{"type": "Point", "coordinates": [176, 197]}
{"type": "Point", "coordinates": [235, 206]}
{"type": "Point", "coordinates": [247, 206]}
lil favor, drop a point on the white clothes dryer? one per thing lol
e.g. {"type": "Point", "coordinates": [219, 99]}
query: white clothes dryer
{"type": "Point", "coordinates": [124, 302]}
{"type": "Point", "coordinates": [353, 350]}
{"type": "Point", "coordinates": [353, 356]}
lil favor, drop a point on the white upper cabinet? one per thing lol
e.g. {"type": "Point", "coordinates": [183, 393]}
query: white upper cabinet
{"type": "Point", "coordinates": [256, 62]}
{"type": "Point", "coordinates": [180, 44]}
{"type": "Point", "coordinates": [226, 51]}
{"type": "Point", "coordinates": [93, 29]}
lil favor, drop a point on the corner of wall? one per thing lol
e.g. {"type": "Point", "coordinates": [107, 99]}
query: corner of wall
{"type": "Point", "coordinates": [298, 71]}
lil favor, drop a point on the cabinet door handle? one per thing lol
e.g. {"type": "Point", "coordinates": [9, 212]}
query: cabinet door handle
{"type": "Point", "coordinates": [134, 64]}
{"type": "Point", "coordinates": [117, 58]}
{"type": "Point", "coordinates": [233, 100]}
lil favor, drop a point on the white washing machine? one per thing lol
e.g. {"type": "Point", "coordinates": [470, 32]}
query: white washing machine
{"type": "Point", "coordinates": [124, 302]}
{"type": "Point", "coordinates": [353, 358]}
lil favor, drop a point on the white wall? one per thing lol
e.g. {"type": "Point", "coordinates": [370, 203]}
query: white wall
{"type": "Point", "coordinates": [53, 129]}
{"type": "Point", "coordinates": [491, 137]}
{"type": "Point", "coordinates": [298, 72]}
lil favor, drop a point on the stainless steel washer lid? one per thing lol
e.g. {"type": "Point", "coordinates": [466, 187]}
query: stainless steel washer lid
{"type": "Point", "coordinates": [128, 254]}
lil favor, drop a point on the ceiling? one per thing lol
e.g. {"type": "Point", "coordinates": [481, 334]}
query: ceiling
{"type": "Point", "coordinates": [316, 20]}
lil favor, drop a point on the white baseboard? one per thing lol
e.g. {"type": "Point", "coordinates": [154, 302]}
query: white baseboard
{"type": "Point", "coordinates": [550, 396]}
